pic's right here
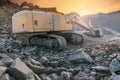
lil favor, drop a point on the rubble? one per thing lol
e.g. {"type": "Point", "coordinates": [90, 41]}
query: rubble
{"type": "Point", "coordinates": [66, 76]}
{"type": "Point", "coordinates": [96, 53]}
{"type": "Point", "coordinates": [83, 76]}
{"type": "Point", "coordinates": [50, 70]}
{"type": "Point", "coordinates": [102, 69]}
{"type": "Point", "coordinates": [44, 77]}
{"type": "Point", "coordinates": [5, 77]}
{"type": "Point", "coordinates": [44, 60]}
{"type": "Point", "coordinates": [54, 64]}
{"type": "Point", "coordinates": [60, 70]}
{"type": "Point", "coordinates": [2, 64]}
{"type": "Point", "coordinates": [2, 70]}
{"type": "Point", "coordinates": [7, 61]}
{"type": "Point", "coordinates": [79, 57]}
{"type": "Point", "coordinates": [115, 65]}
{"type": "Point", "coordinates": [36, 66]}
{"type": "Point", "coordinates": [115, 77]}
{"type": "Point", "coordinates": [76, 62]}
{"type": "Point", "coordinates": [20, 71]}
{"type": "Point", "coordinates": [54, 76]}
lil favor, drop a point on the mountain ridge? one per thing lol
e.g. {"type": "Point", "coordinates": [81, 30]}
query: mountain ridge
{"type": "Point", "coordinates": [110, 20]}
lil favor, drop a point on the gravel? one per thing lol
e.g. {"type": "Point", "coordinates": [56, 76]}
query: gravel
{"type": "Point", "coordinates": [76, 62]}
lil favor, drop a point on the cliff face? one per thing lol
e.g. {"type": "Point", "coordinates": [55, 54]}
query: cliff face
{"type": "Point", "coordinates": [4, 1]}
{"type": "Point", "coordinates": [21, 1]}
{"type": "Point", "coordinates": [7, 9]}
{"type": "Point", "coordinates": [110, 20]}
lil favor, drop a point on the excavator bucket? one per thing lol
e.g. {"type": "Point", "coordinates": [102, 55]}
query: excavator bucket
{"type": "Point", "coordinates": [98, 33]}
{"type": "Point", "coordinates": [95, 32]}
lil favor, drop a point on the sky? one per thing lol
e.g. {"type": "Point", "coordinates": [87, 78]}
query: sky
{"type": "Point", "coordinates": [83, 7]}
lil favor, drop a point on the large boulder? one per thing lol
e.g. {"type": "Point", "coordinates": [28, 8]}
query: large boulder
{"type": "Point", "coordinates": [79, 57]}
{"type": "Point", "coordinates": [50, 70]}
{"type": "Point", "coordinates": [115, 65]}
{"type": "Point", "coordinates": [5, 77]}
{"type": "Point", "coordinates": [36, 66]}
{"type": "Point", "coordinates": [66, 76]}
{"type": "Point", "coordinates": [98, 55]}
{"type": "Point", "coordinates": [44, 60]}
{"type": "Point", "coordinates": [115, 77]}
{"type": "Point", "coordinates": [44, 77]}
{"type": "Point", "coordinates": [20, 71]}
{"type": "Point", "coordinates": [53, 64]}
{"type": "Point", "coordinates": [54, 76]}
{"type": "Point", "coordinates": [2, 70]}
{"type": "Point", "coordinates": [7, 61]}
{"type": "Point", "coordinates": [2, 64]}
{"type": "Point", "coordinates": [59, 70]}
{"type": "Point", "coordinates": [3, 1]}
{"type": "Point", "coordinates": [102, 69]}
{"type": "Point", "coordinates": [83, 76]}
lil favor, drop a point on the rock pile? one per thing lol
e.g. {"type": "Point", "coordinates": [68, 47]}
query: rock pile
{"type": "Point", "coordinates": [76, 62]}
{"type": "Point", "coordinates": [23, 67]}
{"type": "Point", "coordinates": [33, 70]}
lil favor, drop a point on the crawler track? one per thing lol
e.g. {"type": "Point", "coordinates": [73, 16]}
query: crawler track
{"type": "Point", "coordinates": [45, 40]}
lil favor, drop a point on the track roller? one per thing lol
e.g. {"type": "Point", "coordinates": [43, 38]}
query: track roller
{"type": "Point", "coordinates": [77, 38]}
{"type": "Point", "coordinates": [51, 41]}
{"type": "Point", "coordinates": [74, 38]}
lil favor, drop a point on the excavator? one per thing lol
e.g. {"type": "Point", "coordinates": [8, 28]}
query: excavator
{"type": "Point", "coordinates": [49, 29]}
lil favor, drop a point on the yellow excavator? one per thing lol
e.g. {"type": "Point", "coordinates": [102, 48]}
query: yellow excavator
{"type": "Point", "coordinates": [49, 29]}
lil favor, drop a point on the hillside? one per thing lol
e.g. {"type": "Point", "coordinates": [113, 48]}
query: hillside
{"type": "Point", "coordinates": [7, 9]}
{"type": "Point", "coordinates": [110, 20]}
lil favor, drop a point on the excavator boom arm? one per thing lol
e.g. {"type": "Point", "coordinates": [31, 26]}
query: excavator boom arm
{"type": "Point", "coordinates": [75, 18]}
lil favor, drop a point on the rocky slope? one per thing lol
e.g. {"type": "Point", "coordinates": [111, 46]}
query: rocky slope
{"type": "Point", "coordinates": [110, 20]}
{"type": "Point", "coordinates": [76, 62]}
